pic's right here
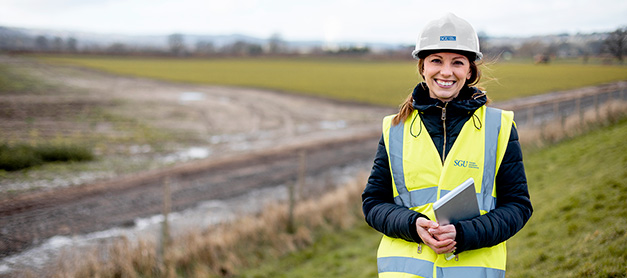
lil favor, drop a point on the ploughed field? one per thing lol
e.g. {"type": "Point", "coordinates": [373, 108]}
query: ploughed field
{"type": "Point", "coordinates": [211, 142]}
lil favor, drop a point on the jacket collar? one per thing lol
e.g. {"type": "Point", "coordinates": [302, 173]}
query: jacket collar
{"type": "Point", "coordinates": [468, 100]}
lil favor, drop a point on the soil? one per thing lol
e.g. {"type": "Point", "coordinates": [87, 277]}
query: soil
{"type": "Point", "coordinates": [138, 124]}
{"type": "Point", "coordinates": [209, 142]}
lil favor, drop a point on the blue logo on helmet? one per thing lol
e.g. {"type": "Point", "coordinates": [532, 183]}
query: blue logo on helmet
{"type": "Point", "coordinates": [448, 38]}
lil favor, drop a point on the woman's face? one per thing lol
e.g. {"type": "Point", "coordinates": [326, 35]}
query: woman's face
{"type": "Point", "coordinates": [445, 74]}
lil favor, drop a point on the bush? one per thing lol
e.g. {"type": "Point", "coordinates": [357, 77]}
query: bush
{"type": "Point", "coordinates": [51, 153]}
{"type": "Point", "coordinates": [18, 157]}
{"type": "Point", "coordinates": [22, 156]}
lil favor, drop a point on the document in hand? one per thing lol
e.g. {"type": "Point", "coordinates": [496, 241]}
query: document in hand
{"type": "Point", "coordinates": [459, 204]}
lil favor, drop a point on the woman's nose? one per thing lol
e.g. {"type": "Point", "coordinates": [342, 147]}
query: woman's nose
{"type": "Point", "coordinates": [446, 70]}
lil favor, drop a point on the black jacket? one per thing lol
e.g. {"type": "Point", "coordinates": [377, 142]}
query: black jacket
{"type": "Point", "coordinates": [513, 207]}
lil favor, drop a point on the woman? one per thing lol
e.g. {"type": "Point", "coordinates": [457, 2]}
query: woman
{"type": "Point", "coordinates": [442, 135]}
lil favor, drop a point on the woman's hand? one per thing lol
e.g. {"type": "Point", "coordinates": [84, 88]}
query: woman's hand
{"type": "Point", "coordinates": [439, 238]}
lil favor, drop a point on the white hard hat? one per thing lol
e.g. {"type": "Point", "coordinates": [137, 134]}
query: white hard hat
{"type": "Point", "coordinates": [448, 33]}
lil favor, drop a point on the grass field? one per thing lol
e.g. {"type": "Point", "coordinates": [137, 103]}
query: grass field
{"type": "Point", "coordinates": [578, 229]}
{"type": "Point", "coordinates": [378, 82]}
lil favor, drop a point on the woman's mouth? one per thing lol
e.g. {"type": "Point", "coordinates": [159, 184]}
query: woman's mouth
{"type": "Point", "coordinates": [444, 83]}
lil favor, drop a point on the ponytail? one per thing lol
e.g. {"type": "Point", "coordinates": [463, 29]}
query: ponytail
{"type": "Point", "coordinates": [405, 110]}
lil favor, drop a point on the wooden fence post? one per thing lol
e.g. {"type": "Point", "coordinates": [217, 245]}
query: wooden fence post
{"type": "Point", "coordinates": [291, 227]}
{"type": "Point", "coordinates": [530, 115]}
{"type": "Point", "coordinates": [596, 107]}
{"type": "Point", "coordinates": [302, 171]}
{"type": "Point", "coordinates": [164, 245]}
{"type": "Point", "coordinates": [295, 190]}
{"type": "Point", "coordinates": [579, 110]}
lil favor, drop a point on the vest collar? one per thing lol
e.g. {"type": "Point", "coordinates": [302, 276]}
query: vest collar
{"type": "Point", "coordinates": [468, 100]}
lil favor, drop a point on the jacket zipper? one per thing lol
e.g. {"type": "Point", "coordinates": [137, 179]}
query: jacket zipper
{"type": "Point", "coordinates": [444, 126]}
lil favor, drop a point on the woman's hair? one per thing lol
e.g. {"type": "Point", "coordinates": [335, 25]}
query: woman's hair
{"type": "Point", "coordinates": [407, 107]}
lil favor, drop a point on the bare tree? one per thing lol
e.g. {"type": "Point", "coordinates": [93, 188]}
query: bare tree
{"type": "Point", "coordinates": [71, 44]}
{"type": "Point", "coordinates": [276, 44]}
{"type": "Point", "coordinates": [531, 49]}
{"type": "Point", "coordinates": [615, 43]}
{"type": "Point", "coordinates": [57, 44]}
{"type": "Point", "coordinates": [117, 48]}
{"type": "Point", "coordinates": [483, 41]}
{"type": "Point", "coordinates": [41, 43]}
{"type": "Point", "coordinates": [205, 48]}
{"type": "Point", "coordinates": [176, 43]}
{"type": "Point", "coordinates": [242, 48]}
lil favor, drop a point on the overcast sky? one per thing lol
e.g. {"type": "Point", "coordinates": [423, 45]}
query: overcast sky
{"type": "Point", "coordinates": [393, 21]}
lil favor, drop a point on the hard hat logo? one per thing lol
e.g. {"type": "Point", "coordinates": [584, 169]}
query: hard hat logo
{"type": "Point", "coordinates": [449, 33]}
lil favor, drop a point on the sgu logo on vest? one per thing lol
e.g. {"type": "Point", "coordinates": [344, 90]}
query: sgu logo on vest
{"type": "Point", "coordinates": [465, 164]}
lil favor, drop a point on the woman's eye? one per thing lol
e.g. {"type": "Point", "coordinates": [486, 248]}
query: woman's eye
{"type": "Point", "coordinates": [460, 63]}
{"type": "Point", "coordinates": [435, 61]}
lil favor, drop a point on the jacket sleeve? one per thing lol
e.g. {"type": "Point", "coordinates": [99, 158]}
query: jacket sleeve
{"type": "Point", "coordinates": [513, 205]}
{"type": "Point", "coordinates": [378, 205]}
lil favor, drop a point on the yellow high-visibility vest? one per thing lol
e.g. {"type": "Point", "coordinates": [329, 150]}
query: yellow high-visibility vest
{"type": "Point", "coordinates": [420, 178]}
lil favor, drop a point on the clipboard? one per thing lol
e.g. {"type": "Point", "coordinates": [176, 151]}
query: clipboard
{"type": "Point", "coordinates": [459, 204]}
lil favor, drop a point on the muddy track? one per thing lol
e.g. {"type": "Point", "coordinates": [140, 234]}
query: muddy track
{"type": "Point", "coordinates": [32, 218]}
{"type": "Point", "coordinates": [253, 139]}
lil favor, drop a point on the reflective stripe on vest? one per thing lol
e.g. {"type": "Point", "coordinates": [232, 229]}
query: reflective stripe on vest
{"type": "Point", "coordinates": [492, 126]}
{"type": "Point", "coordinates": [424, 196]}
{"type": "Point", "coordinates": [470, 271]}
{"type": "Point", "coordinates": [424, 268]}
{"type": "Point", "coordinates": [405, 265]}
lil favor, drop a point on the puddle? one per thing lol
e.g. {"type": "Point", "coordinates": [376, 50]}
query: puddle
{"type": "Point", "coordinates": [201, 216]}
{"type": "Point", "coordinates": [186, 97]}
{"type": "Point", "coordinates": [187, 154]}
{"type": "Point", "coordinates": [333, 125]}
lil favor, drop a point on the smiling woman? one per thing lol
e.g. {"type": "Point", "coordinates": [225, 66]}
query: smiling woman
{"type": "Point", "coordinates": [446, 74]}
{"type": "Point", "coordinates": [413, 167]}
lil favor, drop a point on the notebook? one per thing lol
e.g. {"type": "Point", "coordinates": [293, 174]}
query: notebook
{"type": "Point", "coordinates": [459, 204]}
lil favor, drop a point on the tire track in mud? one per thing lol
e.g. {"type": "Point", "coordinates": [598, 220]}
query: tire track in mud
{"type": "Point", "coordinates": [254, 137]}
{"type": "Point", "coordinates": [30, 219]}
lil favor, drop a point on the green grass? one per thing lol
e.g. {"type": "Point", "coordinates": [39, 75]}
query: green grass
{"type": "Point", "coordinates": [516, 80]}
{"type": "Point", "coordinates": [347, 254]}
{"type": "Point", "coordinates": [578, 229]}
{"type": "Point", "coordinates": [378, 82]}
{"type": "Point", "coordinates": [22, 156]}
{"type": "Point", "coordinates": [18, 156]}
{"type": "Point", "coordinates": [14, 81]}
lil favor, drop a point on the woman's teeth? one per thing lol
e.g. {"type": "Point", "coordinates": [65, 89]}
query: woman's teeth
{"type": "Point", "coordinates": [445, 83]}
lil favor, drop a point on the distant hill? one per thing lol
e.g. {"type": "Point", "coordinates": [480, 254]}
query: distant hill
{"type": "Point", "coordinates": [23, 39]}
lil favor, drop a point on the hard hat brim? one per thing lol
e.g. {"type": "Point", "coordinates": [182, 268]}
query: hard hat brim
{"type": "Point", "coordinates": [471, 55]}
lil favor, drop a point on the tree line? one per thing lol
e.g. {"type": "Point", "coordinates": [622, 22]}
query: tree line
{"type": "Point", "coordinates": [608, 46]}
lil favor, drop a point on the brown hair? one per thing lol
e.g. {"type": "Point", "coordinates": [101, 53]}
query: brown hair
{"type": "Point", "coordinates": [407, 107]}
